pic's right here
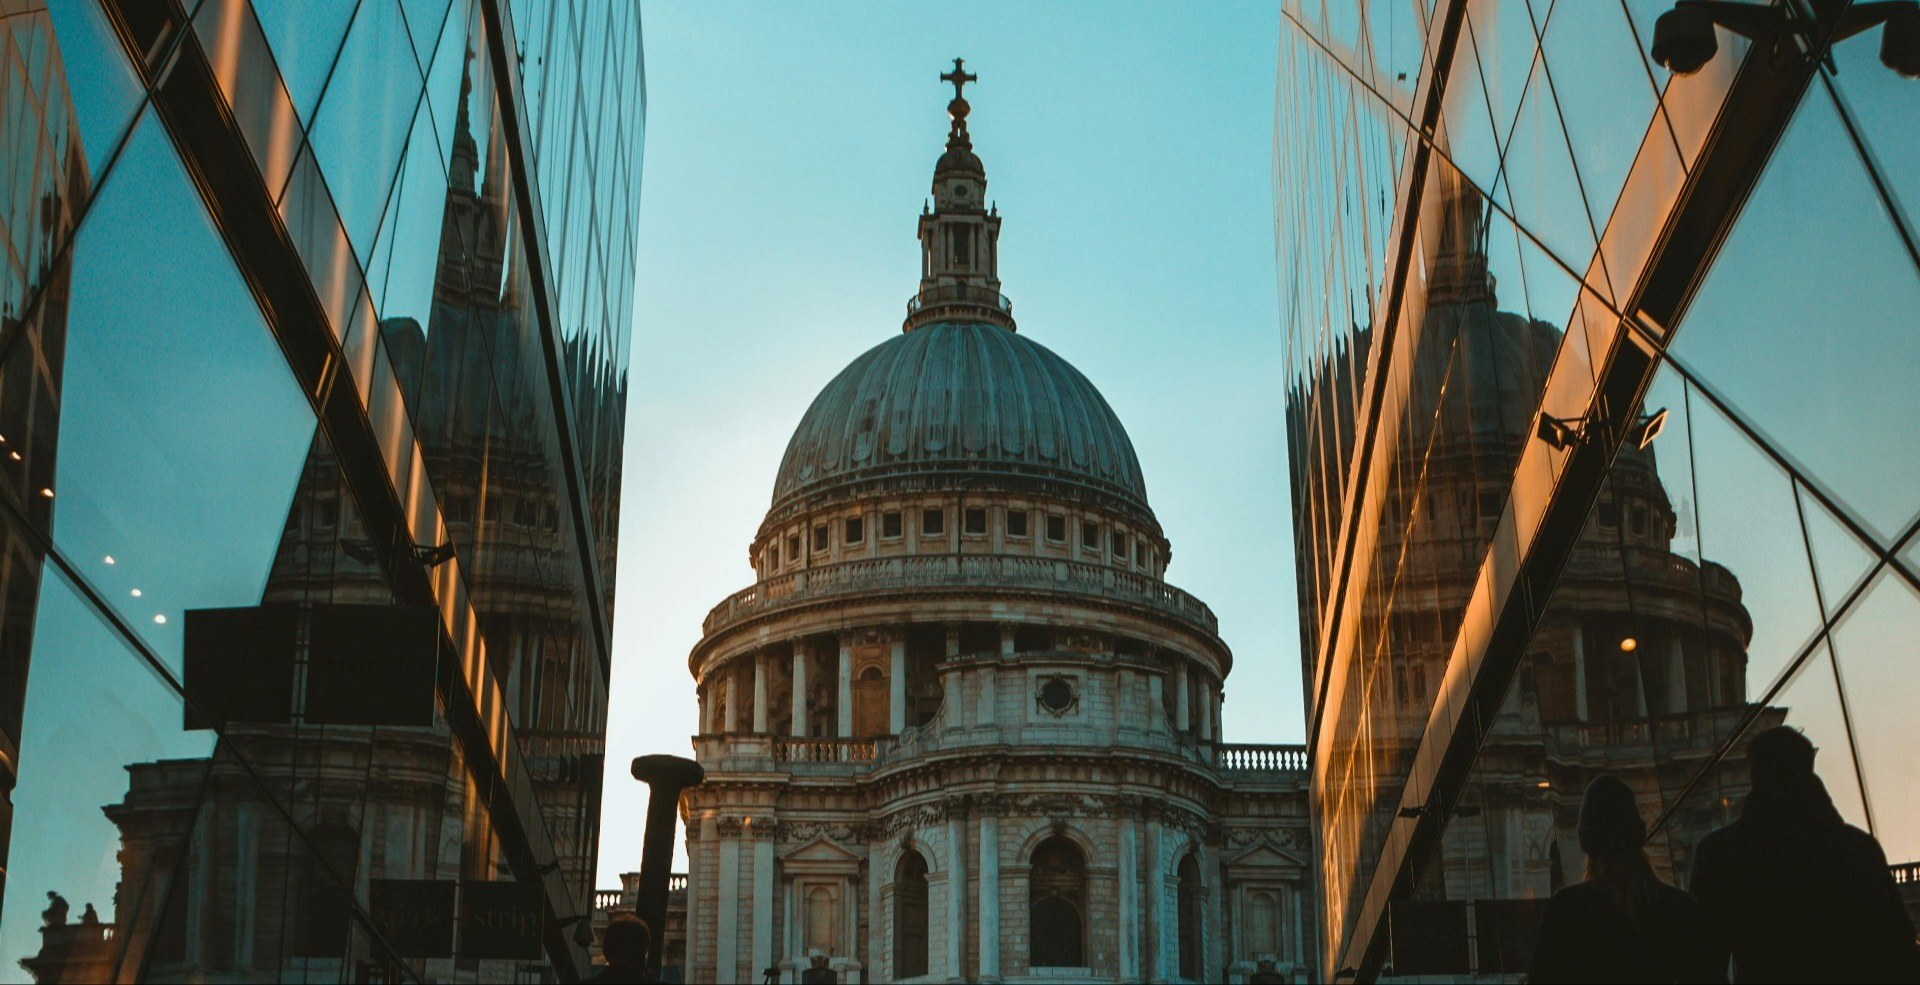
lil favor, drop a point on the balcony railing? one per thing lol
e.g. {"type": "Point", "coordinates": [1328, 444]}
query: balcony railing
{"type": "Point", "coordinates": [959, 294]}
{"type": "Point", "coordinates": [606, 899]}
{"type": "Point", "coordinates": [1287, 759]}
{"type": "Point", "coordinates": [967, 571]}
{"type": "Point", "coordinates": [677, 882]}
{"type": "Point", "coordinates": [823, 750]}
{"type": "Point", "coordinates": [1704, 729]}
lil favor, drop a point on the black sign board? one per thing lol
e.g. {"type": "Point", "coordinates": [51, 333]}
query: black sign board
{"type": "Point", "coordinates": [1429, 937]}
{"type": "Point", "coordinates": [1507, 929]}
{"type": "Point", "coordinates": [239, 665]}
{"type": "Point", "coordinates": [371, 664]}
{"type": "Point", "coordinates": [501, 920]}
{"type": "Point", "coordinates": [414, 915]}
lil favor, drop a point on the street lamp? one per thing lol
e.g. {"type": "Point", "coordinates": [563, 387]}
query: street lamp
{"type": "Point", "coordinates": [1684, 40]}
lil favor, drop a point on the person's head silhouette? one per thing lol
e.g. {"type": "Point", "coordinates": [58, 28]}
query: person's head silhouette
{"type": "Point", "coordinates": [1610, 821]}
{"type": "Point", "coordinates": [1780, 758]}
{"type": "Point", "coordinates": [626, 941]}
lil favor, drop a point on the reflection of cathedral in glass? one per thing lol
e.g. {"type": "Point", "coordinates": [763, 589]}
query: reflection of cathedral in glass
{"type": "Point", "coordinates": [1637, 667]}
{"type": "Point", "coordinates": [213, 883]}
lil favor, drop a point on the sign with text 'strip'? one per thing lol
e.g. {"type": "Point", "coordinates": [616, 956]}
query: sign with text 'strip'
{"type": "Point", "coordinates": [501, 920]}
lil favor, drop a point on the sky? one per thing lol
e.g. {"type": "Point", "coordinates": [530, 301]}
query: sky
{"type": "Point", "coordinates": [789, 149]}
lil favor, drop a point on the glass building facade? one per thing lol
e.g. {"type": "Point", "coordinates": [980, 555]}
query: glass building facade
{"type": "Point", "coordinates": [313, 345]}
{"type": "Point", "coordinates": [1601, 406]}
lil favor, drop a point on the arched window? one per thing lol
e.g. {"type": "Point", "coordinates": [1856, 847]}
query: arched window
{"type": "Point", "coordinates": [823, 921]}
{"type": "Point", "coordinates": [870, 700]}
{"type": "Point", "coordinates": [1058, 905]}
{"type": "Point", "coordinates": [910, 916]}
{"type": "Point", "coordinates": [1263, 925]}
{"type": "Point", "coordinates": [1192, 895]}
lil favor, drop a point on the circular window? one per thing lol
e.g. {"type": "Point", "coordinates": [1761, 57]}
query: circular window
{"type": "Point", "coordinates": [959, 191]}
{"type": "Point", "coordinates": [1056, 695]}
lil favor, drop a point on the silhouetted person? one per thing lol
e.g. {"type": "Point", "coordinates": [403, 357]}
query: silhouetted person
{"type": "Point", "coordinates": [817, 972]}
{"type": "Point", "coordinates": [625, 944]}
{"type": "Point", "coordinates": [55, 915]}
{"type": "Point", "coordinates": [90, 917]}
{"type": "Point", "coordinates": [1622, 924]}
{"type": "Point", "coordinates": [1792, 891]}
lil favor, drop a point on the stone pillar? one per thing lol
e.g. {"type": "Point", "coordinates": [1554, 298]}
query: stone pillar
{"type": "Point", "coordinates": [790, 944]}
{"type": "Point", "coordinates": [876, 927]}
{"type": "Point", "coordinates": [1676, 677]}
{"type": "Point", "coordinates": [730, 723]}
{"type": "Point", "coordinates": [726, 937]}
{"type": "Point", "coordinates": [799, 689]}
{"type": "Point", "coordinates": [1182, 712]}
{"type": "Point", "coordinates": [956, 893]}
{"type": "Point", "coordinates": [989, 695]}
{"type": "Point", "coordinates": [760, 693]}
{"type": "Point", "coordinates": [1156, 902]}
{"type": "Point", "coordinates": [846, 688]}
{"type": "Point", "coordinates": [695, 840]}
{"type": "Point", "coordinates": [1206, 711]}
{"type": "Point", "coordinates": [989, 898]}
{"type": "Point", "coordinates": [897, 688]}
{"type": "Point", "coordinates": [1579, 673]}
{"type": "Point", "coordinates": [762, 944]}
{"type": "Point", "coordinates": [1156, 699]}
{"type": "Point", "coordinates": [1639, 686]}
{"type": "Point", "coordinates": [1006, 641]}
{"type": "Point", "coordinates": [1219, 715]}
{"type": "Point", "coordinates": [1129, 898]}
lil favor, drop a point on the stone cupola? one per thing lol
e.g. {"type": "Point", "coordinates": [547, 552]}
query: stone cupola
{"type": "Point", "coordinates": [960, 235]}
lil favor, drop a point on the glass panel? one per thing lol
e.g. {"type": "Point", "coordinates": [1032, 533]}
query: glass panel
{"type": "Point", "coordinates": [1813, 293]}
{"type": "Point", "coordinates": [1873, 645]}
{"type": "Point", "coordinates": [1471, 143]}
{"type": "Point", "coordinates": [1749, 528]}
{"type": "Point", "coordinates": [305, 37]}
{"type": "Point", "coordinates": [1506, 44]}
{"type": "Point", "coordinates": [1881, 104]}
{"type": "Point", "coordinates": [86, 73]}
{"type": "Point", "coordinates": [1546, 192]}
{"type": "Point", "coordinates": [1602, 91]}
{"type": "Point", "coordinates": [1840, 561]}
{"type": "Point", "coordinates": [93, 706]}
{"type": "Point", "coordinates": [156, 471]}
{"type": "Point", "coordinates": [364, 118]}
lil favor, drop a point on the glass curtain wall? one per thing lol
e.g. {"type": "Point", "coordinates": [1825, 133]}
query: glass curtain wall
{"type": "Point", "coordinates": [1491, 618]}
{"type": "Point", "coordinates": [324, 309]}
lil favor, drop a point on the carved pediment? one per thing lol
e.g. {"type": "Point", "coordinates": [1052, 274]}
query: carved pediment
{"type": "Point", "coordinates": [822, 852]}
{"type": "Point", "coordinates": [1264, 859]}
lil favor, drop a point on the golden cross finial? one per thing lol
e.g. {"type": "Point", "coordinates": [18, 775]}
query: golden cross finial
{"type": "Point", "coordinates": [959, 76]}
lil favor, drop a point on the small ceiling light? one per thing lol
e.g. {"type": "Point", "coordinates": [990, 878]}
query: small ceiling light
{"type": "Point", "coordinates": [136, 593]}
{"type": "Point", "coordinates": [1628, 644]}
{"type": "Point", "coordinates": [1545, 784]}
{"type": "Point", "coordinates": [14, 455]}
{"type": "Point", "coordinates": [46, 491]}
{"type": "Point", "coordinates": [108, 559]}
{"type": "Point", "coordinates": [160, 618]}
{"type": "Point", "coordinates": [1647, 428]}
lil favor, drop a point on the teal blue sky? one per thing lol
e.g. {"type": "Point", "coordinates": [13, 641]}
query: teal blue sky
{"type": "Point", "coordinates": [789, 149]}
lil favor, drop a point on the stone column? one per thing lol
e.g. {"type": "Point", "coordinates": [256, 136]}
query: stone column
{"type": "Point", "coordinates": [956, 892]}
{"type": "Point", "coordinates": [1182, 713]}
{"type": "Point", "coordinates": [760, 693]}
{"type": "Point", "coordinates": [1156, 700]}
{"type": "Point", "coordinates": [799, 689]}
{"type": "Point", "coordinates": [846, 688]}
{"type": "Point", "coordinates": [1219, 715]}
{"type": "Point", "coordinates": [897, 688]}
{"type": "Point", "coordinates": [730, 723]}
{"type": "Point", "coordinates": [1129, 898]}
{"type": "Point", "coordinates": [1579, 673]}
{"type": "Point", "coordinates": [989, 695]}
{"type": "Point", "coordinates": [762, 944]}
{"type": "Point", "coordinates": [876, 931]}
{"type": "Point", "coordinates": [989, 898]}
{"type": "Point", "coordinates": [790, 943]}
{"type": "Point", "coordinates": [1206, 711]}
{"type": "Point", "coordinates": [726, 937]}
{"type": "Point", "coordinates": [695, 837]}
{"type": "Point", "coordinates": [1676, 677]}
{"type": "Point", "coordinates": [1156, 902]}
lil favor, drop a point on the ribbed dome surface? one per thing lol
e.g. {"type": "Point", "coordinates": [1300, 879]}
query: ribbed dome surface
{"type": "Point", "coordinates": [959, 397]}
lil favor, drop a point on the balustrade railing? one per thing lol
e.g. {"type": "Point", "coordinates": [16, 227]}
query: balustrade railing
{"type": "Point", "coordinates": [676, 882]}
{"type": "Point", "coordinates": [1261, 757]}
{"type": "Point", "coordinates": [1906, 875]}
{"type": "Point", "coordinates": [606, 899]}
{"type": "Point", "coordinates": [823, 750]}
{"type": "Point", "coordinates": [975, 570]}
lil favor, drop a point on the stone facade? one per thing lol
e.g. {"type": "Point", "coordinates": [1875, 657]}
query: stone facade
{"type": "Point", "coordinates": [961, 729]}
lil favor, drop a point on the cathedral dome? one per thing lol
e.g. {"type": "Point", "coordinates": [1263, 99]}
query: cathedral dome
{"type": "Point", "coordinates": [954, 398]}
